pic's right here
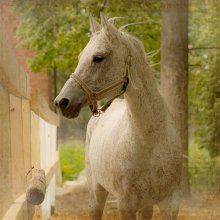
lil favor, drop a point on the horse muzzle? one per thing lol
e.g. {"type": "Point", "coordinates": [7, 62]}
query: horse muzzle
{"type": "Point", "coordinates": [70, 100]}
{"type": "Point", "coordinates": [66, 108]}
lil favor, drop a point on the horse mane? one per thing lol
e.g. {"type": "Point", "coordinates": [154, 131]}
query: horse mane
{"type": "Point", "coordinates": [129, 37]}
{"type": "Point", "coordinates": [138, 45]}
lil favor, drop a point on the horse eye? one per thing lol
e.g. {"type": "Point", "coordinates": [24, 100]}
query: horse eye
{"type": "Point", "coordinates": [98, 58]}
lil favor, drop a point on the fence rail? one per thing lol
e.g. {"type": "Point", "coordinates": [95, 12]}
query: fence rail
{"type": "Point", "coordinates": [28, 135]}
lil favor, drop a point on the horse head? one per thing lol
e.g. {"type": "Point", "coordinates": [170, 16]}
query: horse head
{"type": "Point", "coordinates": [101, 71]}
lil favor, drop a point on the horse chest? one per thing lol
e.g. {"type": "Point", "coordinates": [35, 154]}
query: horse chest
{"type": "Point", "coordinates": [129, 167]}
{"type": "Point", "coordinates": [123, 161]}
{"type": "Point", "coordinates": [120, 165]}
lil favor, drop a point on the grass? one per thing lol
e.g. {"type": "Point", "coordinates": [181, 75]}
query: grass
{"type": "Point", "coordinates": [72, 159]}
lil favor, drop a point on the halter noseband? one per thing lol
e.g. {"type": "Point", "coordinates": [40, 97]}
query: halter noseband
{"type": "Point", "coordinates": [96, 96]}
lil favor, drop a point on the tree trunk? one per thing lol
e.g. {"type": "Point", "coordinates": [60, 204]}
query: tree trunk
{"type": "Point", "coordinates": [174, 71]}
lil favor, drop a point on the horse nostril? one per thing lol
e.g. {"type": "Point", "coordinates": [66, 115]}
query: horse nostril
{"type": "Point", "coordinates": [63, 104]}
{"type": "Point", "coordinates": [55, 103]}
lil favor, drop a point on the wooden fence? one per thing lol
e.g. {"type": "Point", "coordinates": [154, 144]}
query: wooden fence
{"type": "Point", "coordinates": [28, 132]}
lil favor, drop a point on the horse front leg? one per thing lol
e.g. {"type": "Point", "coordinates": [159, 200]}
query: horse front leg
{"type": "Point", "coordinates": [127, 214]}
{"type": "Point", "coordinates": [169, 208]}
{"type": "Point", "coordinates": [97, 200]}
{"type": "Point", "coordinates": [126, 208]}
{"type": "Point", "coordinates": [145, 213]}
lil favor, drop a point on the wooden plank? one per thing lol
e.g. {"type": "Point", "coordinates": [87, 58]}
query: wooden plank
{"type": "Point", "coordinates": [41, 108]}
{"type": "Point", "coordinates": [50, 194]}
{"type": "Point", "coordinates": [45, 206]}
{"type": "Point", "coordinates": [17, 155]}
{"type": "Point", "coordinates": [20, 210]}
{"type": "Point", "coordinates": [43, 144]}
{"type": "Point", "coordinates": [6, 197]}
{"type": "Point", "coordinates": [53, 141]}
{"type": "Point", "coordinates": [48, 137]}
{"type": "Point", "coordinates": [35, 140]}
{"type": "Point", "coordinates": [48, 149]}
{"type": "Point", "coordinates": [26, 122]}
{"type": "Point", "coordinates": [52, 170]}
{"type": "Point", "coordinates": [15, 209]}
{"type": "Point", "coordinates": [12, 75]}
{"type": "Point", "coordinates": [53, 191]}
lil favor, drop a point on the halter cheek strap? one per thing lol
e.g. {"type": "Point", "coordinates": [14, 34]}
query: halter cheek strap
{"type": "Point", "coordinates": [96, 96]}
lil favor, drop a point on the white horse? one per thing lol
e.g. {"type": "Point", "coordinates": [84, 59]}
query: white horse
{"type": "Point", "coordinates": [133, 151]}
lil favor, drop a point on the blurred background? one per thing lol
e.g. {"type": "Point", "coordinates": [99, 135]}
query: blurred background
{"type": "Point", "coordinates": [56, 31]}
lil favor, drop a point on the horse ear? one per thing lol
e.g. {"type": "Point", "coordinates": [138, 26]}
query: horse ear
{"type": "Point", "coordinates": [108, 27]}
{"type": "Point", "coordinates": [94, 25]}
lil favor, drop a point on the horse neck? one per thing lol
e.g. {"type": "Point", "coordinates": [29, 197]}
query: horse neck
{"type": "Point", "coordinates": [145, 105]}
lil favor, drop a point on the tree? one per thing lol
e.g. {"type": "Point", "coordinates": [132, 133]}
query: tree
{"type": "Point", "coordinates": [174, 71]}
{"type": "Point", "coordinates": [205, 74]}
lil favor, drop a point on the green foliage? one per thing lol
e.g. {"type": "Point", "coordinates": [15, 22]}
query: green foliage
{"type": "Point", "coordinates": [139, 11]}
{"type": "Point", "coordinates": [58, 32]}
{"type": "Point", "coordinates": [204, 75]}
{"type": "Point", "coordinates": [54, 32]}
{"type": "Point", "coordinates": [204, 171]}
{"type": "Point", "coordinates": [72, 157]}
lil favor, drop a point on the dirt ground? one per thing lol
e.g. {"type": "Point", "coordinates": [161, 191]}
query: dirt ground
{"type": "Point", "coordinates": [72, 203]}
